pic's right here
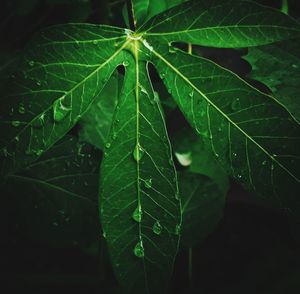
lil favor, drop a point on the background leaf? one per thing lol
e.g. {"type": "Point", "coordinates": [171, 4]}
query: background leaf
{"type": "Point", "coordinates": [96, 123]}
{"type": "Point", "coordinates": [202, 207]}
{"type": "Point", "coordinates": [278, 66]}
{"type": "Point", "coordinates": [54, 199]}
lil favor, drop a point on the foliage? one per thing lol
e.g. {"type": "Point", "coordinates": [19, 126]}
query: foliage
{"type": "Point", "coordinates": [95, 83]}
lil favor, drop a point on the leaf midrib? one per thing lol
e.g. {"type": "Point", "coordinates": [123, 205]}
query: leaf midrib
{"type": "Point", "coordinates": [220, 27]}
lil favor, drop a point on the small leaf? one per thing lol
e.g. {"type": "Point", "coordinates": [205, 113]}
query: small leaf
{"type": "Point", "coordinates": [202, 207]}
{"type": "Point", "coordinates": [278, 66]}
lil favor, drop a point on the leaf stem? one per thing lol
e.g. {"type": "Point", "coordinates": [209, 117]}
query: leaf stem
{"type": "Point", "coordinates": [190, 267]}
{"type": "Point", "coordinates": [131, 15]}
{"type": "Point", "coordinates": [285, 6]}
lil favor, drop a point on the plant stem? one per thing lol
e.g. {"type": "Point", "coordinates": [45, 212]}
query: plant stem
{"type": "Point", "coordinates": [190, 267]}
{"type": "Point", "coordinates": [285, 7]}
{"type": "Point", "coordinates": [131, 15]}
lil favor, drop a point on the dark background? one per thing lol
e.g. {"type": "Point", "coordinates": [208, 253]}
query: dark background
{"type": "Point", "coordinates": [253, 250]}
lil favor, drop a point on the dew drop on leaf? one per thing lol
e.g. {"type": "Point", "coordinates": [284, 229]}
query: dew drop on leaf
{"type": "Point", "coordinates": [138, 153]}
{"type": "Point", "coordinates": [191, 94]}
{"type": "Point", "coordinates": [39, 121]}
{"type": "Point", "coordinates": [95, 42]}
{"type": "Point", "coordinates": [177, 229]}
{"type": "Point", "coordinates": [76, 45]}
{"type": "Point", "coordinates": [126, 63]}
{"type": "Point", "coordinates": [148, 183]}
{"type": "Point", "coordinates": [137, 215]}
{"type": "Point", "coordinates": [157, 228]}
{"type": "Point", "coordinates": [236, 104]}
{"type": "Point", "coordinates": [162, 75]}
{"type": "Point", "coordinates": [60, 111]}
{"type": "Point", "coordinates": [107, 145]}
{"type": "Point", "coordinates": [264, 162]}
{"type": "Point", "coordinates": [21, 109]}
{"type": "Point", "coordinates": [139, 249]}
{"type": "Point", "coordinates": [15, 123]}
{"type": "Point", "coordinates": [38, 82]}
{"type": "Point", "coordinates": [31, 63]}
{"type": "Point", "coordinates": [177, 195]}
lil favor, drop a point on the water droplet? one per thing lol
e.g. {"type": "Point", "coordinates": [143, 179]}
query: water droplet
{"type": "Point", "coordinates": [143, 90]}
{"type": "Point", "coordinates": [55, 224]}
{"type": "Point", "coordinates": [114, 136]}
{"type": "Point", "coordinates": [21, 109]}
{"type": "Point", "coordinates": [104, 235]}
{"type": "Point", "coordinates": [60, 111]}
{"type": "Point", "coordinates": [138, 153]}
{"type": "Point", "coordinates": [95, 42]}
{"type": "Point", "coordinates": [137, 215]}
{"type": "Point", "coordinates": [264, 162]}
{"type": "Point", "coordinates": [4, 152]}
{"type": "Point", "coordinates": [107, 145]}
{"type": "Point", "coordinates": [148, 183]}
{"type": "Point", "coordinates": [177, 195]}
{"type": "Point", "coordinates": [294, 66]}
{"type": "Point", "coordinates": [17, 138]}
{"type": "Point", "coordinates": [234, 154]}
{"type": "Point", "coordinates": [177, 229]}
{"type": "Point", "coordinates": [236, 104]}
{"type": "Point", "coordinates": [191, 94]}
{"type": "Point", "coordinates": [157, 228]}
{"type": "Point", "coordinates": [162, 75]}
{"type": "Point", "coordinates": [15, 123]}
{"type": "Point", "coordinates": [76, 45]}
{"type": "Point", "coordinates": [39, 121]}
{"type": "Point", "coordinates": [38, 82]}
{"type": "Point", "coordinates": [31, 63]}
{"type": "Point", "coordinates": [126, 63]}
{"type": "Point", "coordinates": [239, 176]}
{"type": "Point", "coordinates": [171, 162]}
{"type": "Point", "coordinates": [272, 166]}
{"type": "Point", "coordinates": [139, 249]}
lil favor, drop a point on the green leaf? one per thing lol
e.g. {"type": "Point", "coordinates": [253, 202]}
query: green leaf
{"type": "Point", "coordinates": [278, 66]}
{"type": "Point", "coordinates": [221, 23]}
{"type": "Point", "coordinates": [54, 199]}
{"type": "Point", "coordinates": [95, 124]}
{"type": "Point", "coordinates": [140, 206]}
{"type": "Point", "coordinates": [202, 207]}
{"type": "Point", "coordinates": [252, 134]}
{"type": "Point", "coordinates": [145, 9]}
{"type": "Point", "coordinates": [64, 69]}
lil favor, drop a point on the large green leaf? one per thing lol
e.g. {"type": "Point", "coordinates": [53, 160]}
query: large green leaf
{"type": "Point", "coordinates": [251, 133]}
{"type": "Point", "coordinates": [63, 70]}
{"type": "Point", "coordinates": [202, 207]}
{"type": "Point", "coordinates": [278, 66]}
{"type": "Point", "coordinates": [221, 23]}
{"type": "Point", "coordinates": [140, 206]}
{"type": "Point", "coordinates": [54, 199]}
